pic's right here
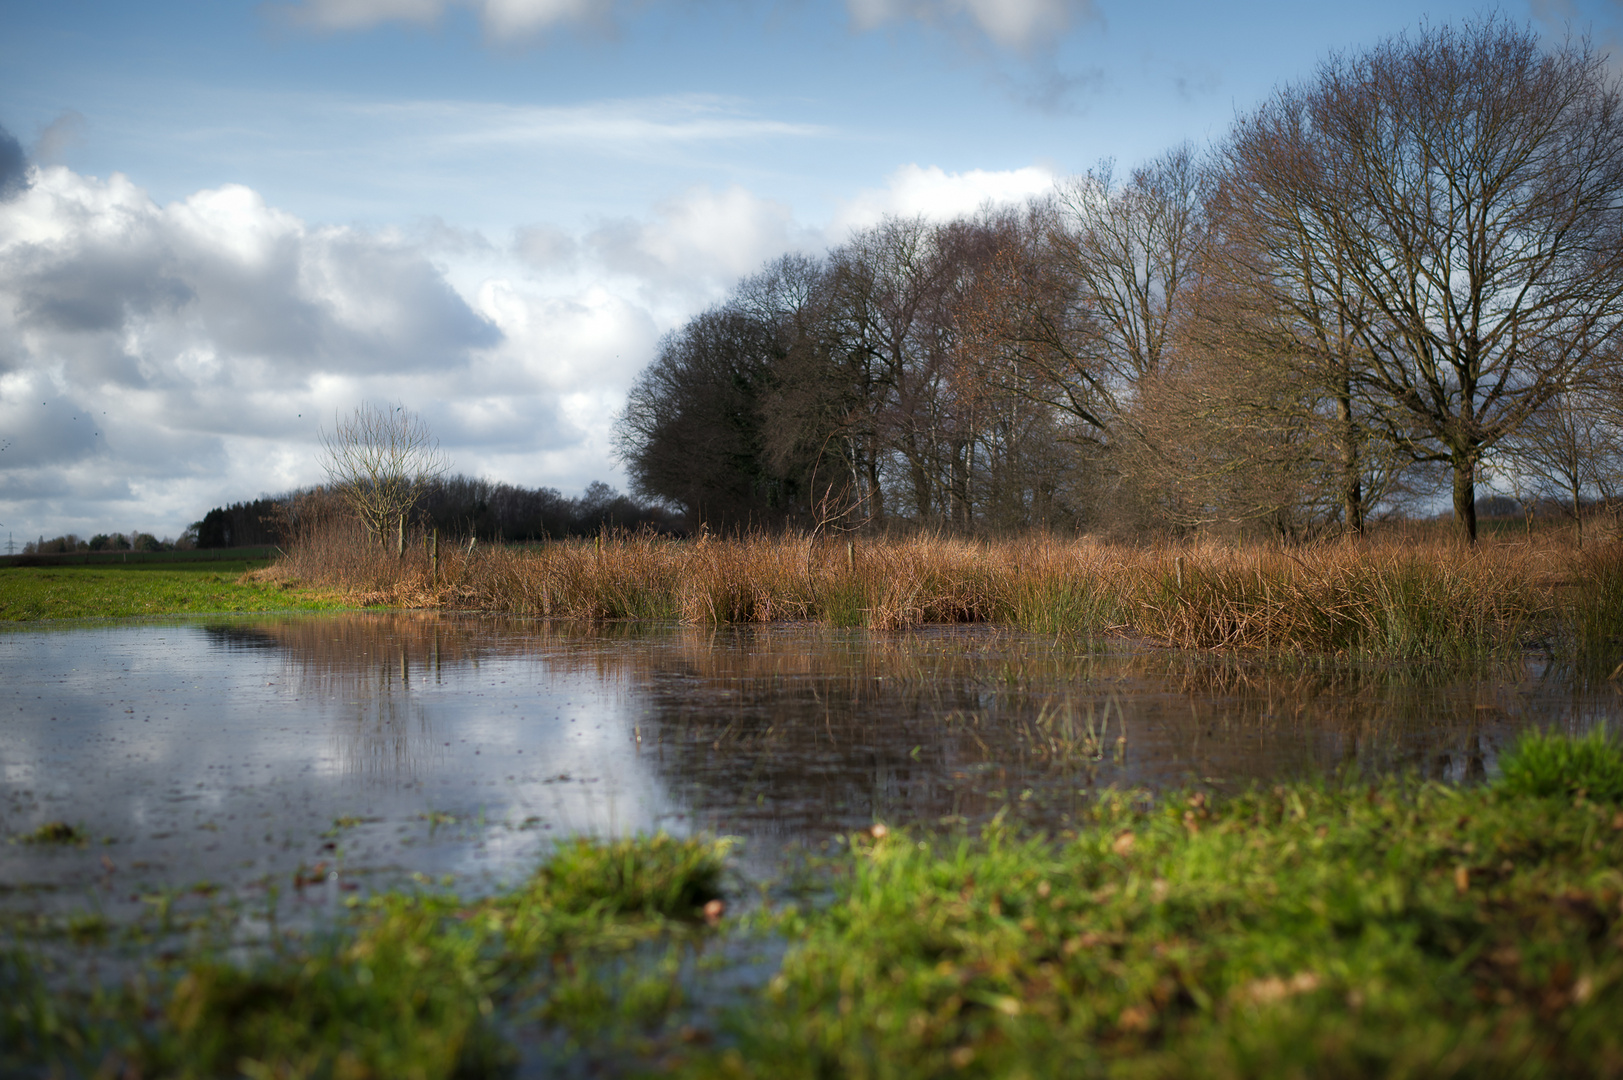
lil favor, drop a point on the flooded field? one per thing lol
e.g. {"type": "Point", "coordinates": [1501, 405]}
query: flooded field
{"type": "Point", "coordinates": [303, 758]}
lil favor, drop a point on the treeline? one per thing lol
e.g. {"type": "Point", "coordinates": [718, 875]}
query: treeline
{"type": "Point", "coordinates": [458, 506]}
{"type": "Point", "coordinates": [1387, 285]}
{"type": "Point", "coordinates": [463, 506]}
{"type": "Point", "coordinates": [70, 543]}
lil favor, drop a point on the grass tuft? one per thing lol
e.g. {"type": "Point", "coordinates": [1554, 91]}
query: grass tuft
{"type": "Point", "coordinates": [651, 876]}
{"type": "Point", "coordinates": [1546, 764]}
{"type": "Point", "coordinates": [1595, 610]}
{"type": "Point", "coordinates": [56, 832]}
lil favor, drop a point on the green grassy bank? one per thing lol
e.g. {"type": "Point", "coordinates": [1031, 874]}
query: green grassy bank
{"type": "Point", "coordinates": [29, 593]}
{"type": "Point", "coordinates": [1389, 930]}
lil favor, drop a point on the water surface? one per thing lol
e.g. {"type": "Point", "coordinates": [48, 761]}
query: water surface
{"type": "Point", "coordinates": [305, 757]}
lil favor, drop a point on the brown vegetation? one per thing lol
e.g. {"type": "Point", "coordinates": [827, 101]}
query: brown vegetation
{"type": "Point", "coordinates": [1398, 595]}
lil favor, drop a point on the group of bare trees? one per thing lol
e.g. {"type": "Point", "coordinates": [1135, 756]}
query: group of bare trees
{"type": "Point", "coordinates": [1391, 280]}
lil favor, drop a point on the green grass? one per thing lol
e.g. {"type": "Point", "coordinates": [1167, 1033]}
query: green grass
{"type": "Point", "coordinates": [1054, 606]}
{"type": "Point", "coordinates": [408, 986]}
{"type": "Point", "coordinates": [1398, 929]}
{"type": "Point", "coordinates": [54, 832]}
{"type": "Point", "coordinates": [1303, 931]}
{"type": "Point", "coordinates": [1548, 764]}
{"type": "Point", "coordinates": [31, 593]}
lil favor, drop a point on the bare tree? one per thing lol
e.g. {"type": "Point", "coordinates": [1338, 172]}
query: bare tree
{"type": "Point", "coordinates": [1568, 449]}
{"type": "Point", "coordinates": [379, 459]}
{"type": "Point", "coordinates": [1455, 204]}
{"type": "Point", "coordinates": [1089, 287]}
{"type": "Point", "coordinates": [1231, 437]}
{"type": "Point", "coordinates": [1033, 330]}
{"type": "Point", "coordinates": [1132, 250]}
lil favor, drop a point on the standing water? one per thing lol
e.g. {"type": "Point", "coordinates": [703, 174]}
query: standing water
{"type": "Point", "coordinates": [306, 757]}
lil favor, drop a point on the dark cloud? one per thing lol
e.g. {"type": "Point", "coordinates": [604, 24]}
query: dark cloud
{"type": "Point", "coordinates": [1058, 93]}
{"type": "Point", "coordinates": [53, 432]}
{"type": "Point", "coordinates": [99, 290]}
{"type": "Point", "coordinates": [258, 293]}
{"type": "Point", "coordinates": [13, 165]}
{"type": "Point", "coordinates": [415, 319]}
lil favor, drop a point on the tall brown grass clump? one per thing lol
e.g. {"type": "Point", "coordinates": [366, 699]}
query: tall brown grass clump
{"type": "Point", "coordinates": [1431, 601]}
{"type": "Point", "coordinates": [1594, 603]}
{"type": "Point", "coordinates": [1398, 599]}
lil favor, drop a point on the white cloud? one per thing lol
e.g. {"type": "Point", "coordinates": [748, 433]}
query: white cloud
{"type": "Point", "coordinates": [697, 244]}
{"type": "Point", "coordinates": [501, 18]}
{"type": "Point", "coordinates": [160, 359]}
{"type": "Point", "coordinates": [632, 123]}
{"type": "Point", "coordinates": [1017, 24]}
{"type": "Point", "coordinates": [939, 195]}
{"type": "Point", "coordinates": [359, 14]}
{"type": "Point", "coordinates": [516, 18]}
{"type": "Point", "coordinates": [1010, 23]}
{"type": "Point", "coordinates": [157, 360]}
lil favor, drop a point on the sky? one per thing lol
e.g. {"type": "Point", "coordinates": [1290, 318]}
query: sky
{"type": "Point", "coordinates": [224, 225]}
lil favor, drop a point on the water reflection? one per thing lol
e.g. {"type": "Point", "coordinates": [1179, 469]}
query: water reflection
{"type": "Point", "coordinates": [228, 749]}
{"type": "Point", "coordinates": [802, 729]}
{"type": "Point", "coordinates": [366, 674]}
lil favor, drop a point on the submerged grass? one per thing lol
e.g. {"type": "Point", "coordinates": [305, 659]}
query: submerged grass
{"type": "Point", "coordinates": [82, 592]}
{"type": "Point", "coordinates": [408, 985]}
{"type": "Point", "coordinates": [1399, 929]}
{"type": "Point", "coordinates": [1389, 599]}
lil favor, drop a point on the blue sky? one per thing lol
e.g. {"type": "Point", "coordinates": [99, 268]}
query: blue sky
{"type": "Point", "coordinates": [236, 220]}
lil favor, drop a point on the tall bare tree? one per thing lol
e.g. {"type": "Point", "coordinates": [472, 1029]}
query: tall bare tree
{"type": "Point", "coordinates": [379, 459]}
{"type": "Point", "coordinates": [1454, 202]}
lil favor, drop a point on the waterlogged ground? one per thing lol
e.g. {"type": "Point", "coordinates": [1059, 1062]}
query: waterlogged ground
{"type": "Point", "coordinates": [294, 760]}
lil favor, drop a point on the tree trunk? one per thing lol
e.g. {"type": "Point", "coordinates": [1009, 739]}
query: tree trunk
{"type": "Point", "coordinates": [875, 492]}
{"type": "Point", "coordinates": [1352, 489]}
{"type": "Point", "coordinates": [1465, 498]}
{"type": "Point", "coordinates": [1578, 513]}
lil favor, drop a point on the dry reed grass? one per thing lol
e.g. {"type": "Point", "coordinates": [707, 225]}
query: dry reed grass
{"type": "Point", "coordinates": [1397, 598]}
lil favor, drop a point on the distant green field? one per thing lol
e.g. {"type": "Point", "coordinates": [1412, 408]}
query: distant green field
{"type": "Point", "coordinates": [87, 592]}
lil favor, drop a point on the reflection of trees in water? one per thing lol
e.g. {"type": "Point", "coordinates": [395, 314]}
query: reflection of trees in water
{"type": "Point", "coordinates": [832, 730]}
{"type": "Point", "coordinates": [794, 727]}
{"type": "Point", "coordinates": [364, 669]}
{"type": "Point", "coordinates": [369, 666]}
